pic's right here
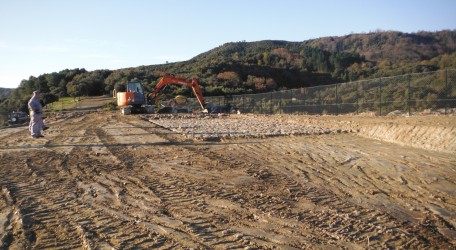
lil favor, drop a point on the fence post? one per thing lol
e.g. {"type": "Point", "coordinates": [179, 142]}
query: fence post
{"type": "Point", "coordinates": [280, 102]}
{"type": "Point", "coordinates": [243, 103]}
{"type": "Point", "coordinates": [409, 93]}
{"type": "Point", "coordinates": [272, 105]}
{"type": "Point", "coordinates": [380, 97]}
{"type": "Point", "coordinates": [291, 97]}
{"type": "Point", "coordinates": [446, 91]}
{"type": "Point", "coordinates": [357, 97]}
{"type": "Point", "coordinates": [320, 102]}
{"type": "Point", "coordinates": [337, 103]}
{"type": "Point", "coordinates": [253, 105]}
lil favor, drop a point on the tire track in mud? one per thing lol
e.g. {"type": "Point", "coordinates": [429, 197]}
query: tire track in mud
{"type": "Point", "coordinates": [339, 219]}
{"type": "Point", "coordinates": [33, 194]}
{"type": "Point", "coordinates": [383, 223]}
{"type": "Point", "coordinates": [58, 218]}
{"type": "Point", "coordinates": [79, 164]}
{"type": "Point", "coordinates": [91, 171]}
{"type": "Point", "coordinates": [321, 211]}
{"type": "Point", "coordinates": [99, 192]}
{"type": "Point", "coordinates": [195, 225]}
{"type": "Point", "coordinates": [246, 221]}
{"type": "Point", "coordinates": [182, 208]}
{"type": "Point", "coordinates": [14, 230]}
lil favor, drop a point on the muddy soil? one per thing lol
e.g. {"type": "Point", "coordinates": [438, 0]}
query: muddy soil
{"type": "Point", "coordinates": [100, 180]}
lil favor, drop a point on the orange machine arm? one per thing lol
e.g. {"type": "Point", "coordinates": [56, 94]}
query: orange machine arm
{"type": "Point", "coordinates": [168, 80]}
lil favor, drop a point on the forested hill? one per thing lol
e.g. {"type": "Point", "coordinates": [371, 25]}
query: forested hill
{"type": "Point", "coordinates": [254, 67]}
{"type": "Point", "coordinates": [271, 65]}
{"type": "Point", "coordinates": [391, 46]}
{"type": "Point", "coordinates": [5, 93]}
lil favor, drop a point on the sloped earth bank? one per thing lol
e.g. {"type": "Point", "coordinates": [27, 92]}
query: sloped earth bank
{"type": "Point", "coordinates": [101, 181]}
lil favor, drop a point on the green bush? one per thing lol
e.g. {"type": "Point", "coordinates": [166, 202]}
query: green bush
{"type": "Point", "coordinates": [110, 106]}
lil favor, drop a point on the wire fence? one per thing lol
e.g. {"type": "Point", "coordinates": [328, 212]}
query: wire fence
{"type": "Point", "coordinates": [405, 94]}
{"type": "Point", "coordinates": [430, 92]}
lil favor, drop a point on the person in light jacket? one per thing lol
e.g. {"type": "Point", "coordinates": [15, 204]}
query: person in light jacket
{"type": "Point", "coordinates": [36, 117]}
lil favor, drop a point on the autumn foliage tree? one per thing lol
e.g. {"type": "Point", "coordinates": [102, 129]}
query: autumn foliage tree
{"type": "Point", "coordinates": [229, 78]}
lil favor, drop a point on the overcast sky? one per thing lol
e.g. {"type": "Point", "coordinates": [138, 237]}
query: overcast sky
{"type": "Point", "coordinates": [45, 36]}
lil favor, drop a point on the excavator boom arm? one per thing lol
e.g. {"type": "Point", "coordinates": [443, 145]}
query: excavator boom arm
{"type": "Point", "coordinates": [168, 80]}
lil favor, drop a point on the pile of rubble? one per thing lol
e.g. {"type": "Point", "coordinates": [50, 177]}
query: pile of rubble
{"type": "Point", "coordinates": [235, 126]}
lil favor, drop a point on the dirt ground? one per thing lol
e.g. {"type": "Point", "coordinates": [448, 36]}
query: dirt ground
{"type": "Point", "coordinates": [100, 180]}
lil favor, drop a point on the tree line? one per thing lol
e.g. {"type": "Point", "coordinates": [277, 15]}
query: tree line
{"type": "Point", "coordinates": [263, 66]}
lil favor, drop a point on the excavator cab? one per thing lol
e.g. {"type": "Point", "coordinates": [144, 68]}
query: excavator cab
{"type": "Point", "coordinates": [138, 93]}
{"type": "Point", "coordinates": [134, 95]}
{"type": "Point", "coordinates": [133, 99]}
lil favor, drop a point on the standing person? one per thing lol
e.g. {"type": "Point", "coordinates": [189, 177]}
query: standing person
{"type": "Point", "coordinates": [36, 117]}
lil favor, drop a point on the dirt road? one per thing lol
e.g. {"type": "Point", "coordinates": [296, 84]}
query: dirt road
{"type": "Point", "coordinates": [101, 180]}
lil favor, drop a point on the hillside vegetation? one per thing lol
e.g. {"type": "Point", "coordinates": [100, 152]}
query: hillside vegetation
{"type": "Point", "coordinates": [5, 93]}
{"type": "Point", "coordinates": [263, 66]}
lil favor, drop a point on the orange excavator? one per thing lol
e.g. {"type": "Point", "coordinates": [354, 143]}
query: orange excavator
{"type": "Point", "coordinates": [134, 99]}
{"type": "Point", "coordinates": [170, 79]}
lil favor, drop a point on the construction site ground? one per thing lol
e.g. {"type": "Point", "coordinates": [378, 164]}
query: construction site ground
{"type": "Point", "coordinates": [102, 180]}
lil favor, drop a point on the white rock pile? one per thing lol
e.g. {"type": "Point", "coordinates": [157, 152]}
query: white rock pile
{"type": "Point", "coordinates": [235, 126]}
